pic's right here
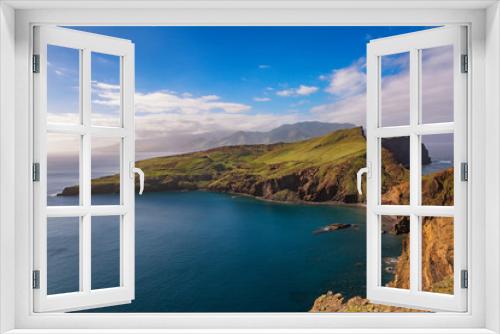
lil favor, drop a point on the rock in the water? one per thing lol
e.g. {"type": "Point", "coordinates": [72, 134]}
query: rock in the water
{"type": "Point", "coordinates": [332, 227]}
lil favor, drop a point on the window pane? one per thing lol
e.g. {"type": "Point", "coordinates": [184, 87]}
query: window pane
{"type": "Point", "coordinates": [63, 85]}
{"type": "Point", "coordinates": [437, 169]}
{"type": "Point", "coordinates": [105, 252]}
{"type": "Point", "coordinates": [437, 84]}
{"type": "Point", "coordinates": [395, 271]}
{"type": "Point", "coordinates": [437, 254]}
{"type": "Point", "coordinates": [63, 166]}
{"type": "Point", "coordinates": [106, 90]}
{"type": "Point", "coordinates": [395, 171]}
{"type": "Point", "coordinates": [63, 262]}
{"type": "Point", "coordinates": [395, 89]}
{"type": "Point", "coordinates": [106, 170]}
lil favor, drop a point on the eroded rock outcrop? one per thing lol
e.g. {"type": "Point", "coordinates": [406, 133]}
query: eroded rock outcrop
{"type": "Point", "coordinates": [334, 302]}
{"type": "Point", "coordinates": [437, 248]}
{"type": "Point", "coordinates": [437, 257]}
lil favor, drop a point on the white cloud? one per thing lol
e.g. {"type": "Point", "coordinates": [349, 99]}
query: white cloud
{"type": "Point", "coordinates": [62, 71]}
{"type": "Point", "coordinates": [166, 101]}
{"type": "Point", "coordinates": [349, 110]}
{"type": "Point", "coordinates": [161, 102]}
{"type": "Point", "coordinates": [302, 90]}
{"type": "Point", "coordinates": [285, 92]}
{"type": "Point", "coordinates": [306, 90]}
{"type": "Point", "coordinates": [97, 85]}
{"type": "Point", "coordinates": [299, 103]}
{"type": "Point", "coordinates": [147, 126]}
{"type": "Point", "coordinates": [437, 92]}
{"type": "Point", "coordinates": [67, 117]}
{"type": "Point", "coordinates": [162, 134]}
{"type": "Point", "coordinates": [348, 81]}
{"type": "Point", "coordinates": [396, 62]}
{"type": "Point", "coordinates": [437, 84]}
{"type": "Point", "coordinates": [261, 99]}
{"type": "Point", "coordinates": [175, 132]}
{"type": "Point", "coordinates": [264, 66]}
{"type": "Point", "coordinates": [168, 122]}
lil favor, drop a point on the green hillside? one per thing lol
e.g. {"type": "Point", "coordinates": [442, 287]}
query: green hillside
{"type": "Point", "coordinates": [318, 169]}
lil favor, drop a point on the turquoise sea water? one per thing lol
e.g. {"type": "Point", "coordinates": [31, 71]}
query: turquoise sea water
{"type": "Point", "coordinates": [212, 252]}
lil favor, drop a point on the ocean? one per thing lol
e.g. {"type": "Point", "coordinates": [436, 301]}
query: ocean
{"type": "Point", "coordinates": [211, 252]}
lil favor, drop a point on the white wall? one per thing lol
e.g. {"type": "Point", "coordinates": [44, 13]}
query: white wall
{"type": "Point", "coordinates": [7, 176]}
{"type": "Point", "coordinates": [492, 149]}
{"type": "Point", "coordinates": [491, 126]}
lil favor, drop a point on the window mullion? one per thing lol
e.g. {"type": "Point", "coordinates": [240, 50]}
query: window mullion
{"type": "Point", "coordinates": [40, 151]}
{"type": "Point", "coordinates": [127, 178]}
{"type": "Point", "coordinates": [414, 171]}
{"type": "Point", "coordinates": [85, 189]}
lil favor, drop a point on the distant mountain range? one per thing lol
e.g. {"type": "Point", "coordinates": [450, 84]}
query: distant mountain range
{"type": "Point", "coordinates": [186, 143]}
{"type": "Point", "coordinates": [287, 133]}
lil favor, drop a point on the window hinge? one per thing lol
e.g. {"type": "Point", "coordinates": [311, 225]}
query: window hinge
{"type": "Point", "coordinates": [465, 63]}
{"type": "Point", "coordinates": [464, 279]}
{"type": "Point", "coordinates": [36, 279]}
{"type": "Point", "coordinates": [36, 172]}
{"type": "Point", "coordinates": [36, 63]}
{"type": "Point", "coordinates": [464, 171]}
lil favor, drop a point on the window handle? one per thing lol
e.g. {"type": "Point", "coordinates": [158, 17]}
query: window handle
{"type": "Point", "coordinates": [359, 177]}
{"type": "Point", "coordinates": [135, 170]}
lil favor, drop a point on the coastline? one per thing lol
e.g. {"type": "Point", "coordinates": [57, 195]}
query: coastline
{"type": "Point", "coordinates": [296, 202]}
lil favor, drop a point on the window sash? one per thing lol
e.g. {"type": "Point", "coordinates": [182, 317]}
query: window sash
{"type": "Point", "coordinates": [413, 43]}
{"type": "Point", "coordinates": [85, 298]}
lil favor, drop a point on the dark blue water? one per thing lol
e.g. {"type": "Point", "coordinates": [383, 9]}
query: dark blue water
{"type": "Point", "coordinates": [211, 252]}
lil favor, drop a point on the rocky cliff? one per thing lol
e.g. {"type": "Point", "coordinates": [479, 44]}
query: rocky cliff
{"type": "Point", "coordinates": [437, 257]}
{"type": "Point", "coordinates": [334, 302]}
{"type": "Point", "coordinates": [437, 236]}
{"type": "Point", "coordinates": [437, 248]}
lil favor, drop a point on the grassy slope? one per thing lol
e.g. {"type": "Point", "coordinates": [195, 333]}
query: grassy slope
{"type": "Point", "coordinates": [326, 164]}
{"type": "Point", "coordinates": [316, 170]}
{"type": "Point", "coordinates": [261, 160]}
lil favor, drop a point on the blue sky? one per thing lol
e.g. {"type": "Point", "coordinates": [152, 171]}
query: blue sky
{"type": "Point", "coordinates": [196, 81]}
{"type": "Point", "coordinates": [240, 63]}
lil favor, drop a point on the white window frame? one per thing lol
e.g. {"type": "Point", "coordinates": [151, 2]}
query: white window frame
{"type": "Point", "coordinates": [16, 20]}
{"type": "Point", "coordinates": [413, 43]}
{"type": "Point", "coordinates": [85, 43]}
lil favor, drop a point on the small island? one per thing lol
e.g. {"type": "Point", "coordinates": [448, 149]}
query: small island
{"type": "Point", "coordinates": [332, 227]}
